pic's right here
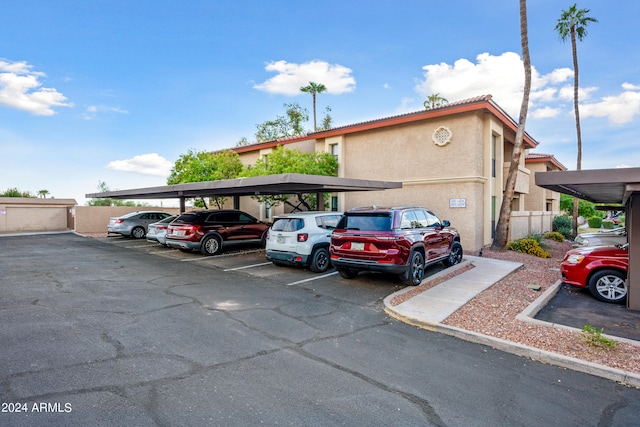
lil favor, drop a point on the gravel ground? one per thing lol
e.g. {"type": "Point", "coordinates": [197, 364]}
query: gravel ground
{"type": "Point", "coordinates": [493, 312]}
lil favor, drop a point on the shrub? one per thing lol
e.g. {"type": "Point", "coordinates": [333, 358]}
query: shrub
{"type": "Point", "coordinates": [595, 222]}
{"type": "Point", "coordinates": [528, 245]}
{"type": "Point", "coordinates": [561, 222]}
{"type": "Point", "coordinates": [608, 224]}
{"type": "Point", "coordinates": [593, 336]}
{"type": "Point", "coordinates": [554, 235]}
{"type": "Point", "coordinates": [621, 219]}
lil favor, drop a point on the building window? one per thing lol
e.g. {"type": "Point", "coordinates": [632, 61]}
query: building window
{"type": "Point", "coordinates": [267, 210]}
{"type": "Point", "coordinates": [493, 155]}
{"type": "Point", "coordinates": [334, 150]}
{"type": "Point", "coordinates": [334, 203]}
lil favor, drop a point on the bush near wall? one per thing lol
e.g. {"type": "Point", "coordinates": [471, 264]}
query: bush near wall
{"type": "Point", "coordinates": [594, 222]}
{"type": "Point", "coordinates": [530, 246]}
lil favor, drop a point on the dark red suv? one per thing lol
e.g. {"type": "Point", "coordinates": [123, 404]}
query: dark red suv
{"type": "Point", "coordinates": [208, 230]}
{"type": "Point", "coordinates": [398, 240]}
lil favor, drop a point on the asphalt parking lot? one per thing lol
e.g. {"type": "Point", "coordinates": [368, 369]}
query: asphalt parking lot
{"type": "Point", "coordinates": [123, 332]}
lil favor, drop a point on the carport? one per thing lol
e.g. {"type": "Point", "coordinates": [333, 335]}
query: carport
{"type": "Point", "coordinates": [612, 186]}
{"type": "Point", "coordinates": [290, 183]}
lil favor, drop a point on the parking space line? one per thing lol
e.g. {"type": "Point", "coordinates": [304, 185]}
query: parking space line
{"type": "Point", "coordinates": [221, 256]}
{"type": "Point", "coordinates": [311, 279]}
{"type": "Point", "coordinates": [247, 266]}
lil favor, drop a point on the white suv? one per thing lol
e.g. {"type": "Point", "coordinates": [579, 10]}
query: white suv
{"type": "Point", "coordinates": [302, 238]}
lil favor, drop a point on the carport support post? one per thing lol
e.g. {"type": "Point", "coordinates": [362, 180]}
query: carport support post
{"type": "Point", "coordinates": [632, 224]}
{"type": "Point", "coordinates": [319, 201]}
{"type": "Point", "coordinates": [182, 205]}
{"type": "Point", "coordinates": [236, 202]}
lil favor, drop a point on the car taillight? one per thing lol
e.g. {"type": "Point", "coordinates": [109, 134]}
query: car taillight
{"type": "Point", "coordinates": [161, 227]}
{"type": "Point", "coordinates": [119, 221]}
{"type": "Point", "coordinates": [302, 237]}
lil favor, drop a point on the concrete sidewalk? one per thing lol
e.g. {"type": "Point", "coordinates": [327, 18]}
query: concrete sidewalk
{"type": "Point", "coordinates": [429, 308]}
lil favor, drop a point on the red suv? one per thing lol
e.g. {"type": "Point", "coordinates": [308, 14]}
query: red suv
{"type": "Point", "coordinates": [208, 230]}
{"type": "Point", "coordinates": [399, 240]}
{"type": "Point", "coordinates": [601, 269]}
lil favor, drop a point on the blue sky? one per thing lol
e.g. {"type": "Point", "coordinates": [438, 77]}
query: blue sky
{"type": "Point", "coordinates": [116, 91]}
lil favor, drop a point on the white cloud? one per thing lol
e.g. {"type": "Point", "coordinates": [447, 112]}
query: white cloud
{"type": "Point", "coordinates": [291, 77]}
{"type": "Point", "coordinates": [20, 88]}
{"type": "Point", "coordinates": [144, 164]}
{"type": "Point", "coordinates": [545, 112]}
{"type": "Point", "coordinates": [629, 86]}
{"type": "Point", "coordinates": [93, 110]}
{"type": "Point", "coordinates": [618, 109]}
{"type": "Point", "coordinates": [503, 77]}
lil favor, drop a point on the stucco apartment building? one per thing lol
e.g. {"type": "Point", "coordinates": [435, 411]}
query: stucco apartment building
{"type": "Point", "coordinates": [453, 159]}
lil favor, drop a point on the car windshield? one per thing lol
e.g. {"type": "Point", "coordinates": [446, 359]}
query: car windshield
{"type": "Point", "coordinates": [368, 221]}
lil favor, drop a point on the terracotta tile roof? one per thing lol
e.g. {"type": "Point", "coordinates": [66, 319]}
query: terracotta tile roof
{"type": "Point", "coordinates": [469, 104]}
{"type": "Point", "coordinates": [541, 158]}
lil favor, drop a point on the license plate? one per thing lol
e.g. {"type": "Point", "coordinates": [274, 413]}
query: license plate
{"type": "Point", "coordinates": [356, 246]}
{"type": "Point", "coordinates": [177, 232]}
{"type": "Point", "coordinates": [280, 239]}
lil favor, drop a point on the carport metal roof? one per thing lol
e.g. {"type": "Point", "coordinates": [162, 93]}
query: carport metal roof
{"type": "Point", "coordinates": [597, 186]}
{"type": "Point", "coordinates": [607, 186]}
{"type": "Point", "coordinates": [290, 183]}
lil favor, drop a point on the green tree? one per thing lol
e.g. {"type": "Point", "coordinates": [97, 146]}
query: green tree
{"type": "Point", "coordinates": [314, 89]}
{"type": "Point", "coordinates": [586, 209]}
{"type": "Point", "coordinates": [573, 24]}
{"type": "Point", "coordinates": [14, 192]}
{"type": "Point", "coordinates": [327, 121]}
{"type": "Point", "coordinates": [289, 125]}
{"type": "Point", "coordinates": [198, 166]}
{"type": "Point", "coordinates": [502, 228]}
{"type": "Point", "coordinates": [434, 100]}
{"type": "Point", "coordinates": [285, 160]}
{"type": "Point", "coordinates": [43, 193]}
{"type": "Point", "coordinates": [242, 142]}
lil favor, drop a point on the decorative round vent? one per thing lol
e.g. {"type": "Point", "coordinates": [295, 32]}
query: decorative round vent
{"type": "Point", "coordinates": [442, 136]}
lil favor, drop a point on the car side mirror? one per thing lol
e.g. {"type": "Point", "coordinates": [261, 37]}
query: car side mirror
{"type": "Point", "coordinates": [446, 223]}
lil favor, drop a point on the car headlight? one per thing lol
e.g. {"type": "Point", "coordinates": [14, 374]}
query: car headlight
{"type": "Point", "coordinates": [575, 259]}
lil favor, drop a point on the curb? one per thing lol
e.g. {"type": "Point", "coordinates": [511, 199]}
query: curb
{"type": "Point", "coordinates": [618, 375]}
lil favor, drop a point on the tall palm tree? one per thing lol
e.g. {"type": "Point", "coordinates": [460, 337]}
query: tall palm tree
{"type": "Point", "coordinates": [43, 193]}
{"type": "Point", "coordinates": [314, 88]}
{"type": "Point", "coordinates": [571, 24]}
{"type": "Point", "coordinates": [434, 100]}
{"type": "Point", "coordinates": [502, 228]}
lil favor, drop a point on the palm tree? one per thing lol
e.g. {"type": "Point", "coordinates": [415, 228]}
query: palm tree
{"type": "Point", "coordinates": [573, 22]}
{"type": "Point", "coordinates": [314, 88]}
{"type": "Point", "coordinates": [434, 100]}
{"type": "Point", "coordinates": [43, 193]}
{"type": "Point", "coordinates": [502, 228]}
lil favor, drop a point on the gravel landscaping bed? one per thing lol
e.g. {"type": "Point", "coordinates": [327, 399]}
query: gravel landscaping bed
{"type": "Point", "coordinates": [493, 312]}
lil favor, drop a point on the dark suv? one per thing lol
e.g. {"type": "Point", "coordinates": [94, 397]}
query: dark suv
{"type": "Point", "coordinates": [398, 240]}
{"type": "Point", "coordinates": [208, 230]}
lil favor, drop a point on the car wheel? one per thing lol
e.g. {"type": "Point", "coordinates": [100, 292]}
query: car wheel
{"type": "Point", "coordinates": [210, 245]}
{"type": "Point", "coordinates": [319, 260]}
{"type": "Point", "coordinates": [348, 274]}
{"type": "Point", "coordinates": [608, 286]}
{"type": "Point", "coordinates": [138, 232]}
{"type": "Point", "coordinates": [415, 273]}
{"type": "Point", "coordinates": [455, 256]}
{"type": "Point", "coordinates": [263, 240]}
